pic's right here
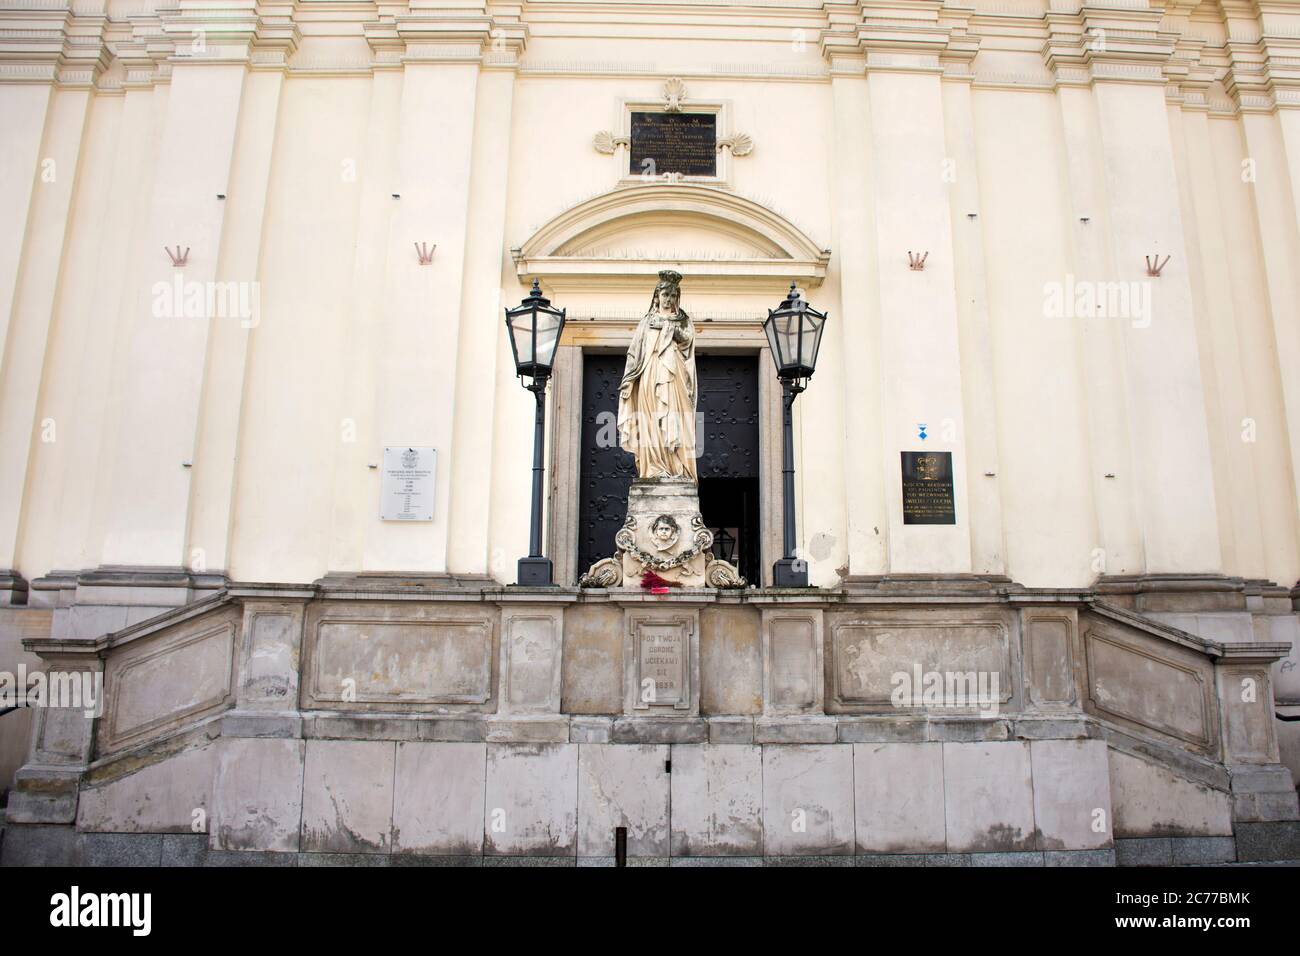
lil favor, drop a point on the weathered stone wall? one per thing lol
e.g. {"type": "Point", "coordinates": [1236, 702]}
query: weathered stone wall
{"type": "Point", "coordinates": [366, 719]}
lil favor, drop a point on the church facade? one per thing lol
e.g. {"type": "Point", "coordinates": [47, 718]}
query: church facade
{"type": "Point", "coordinates": [266, 464]}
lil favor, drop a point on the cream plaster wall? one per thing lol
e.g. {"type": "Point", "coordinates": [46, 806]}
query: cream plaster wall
{"type": "Point", "coordinates": [207, 444]}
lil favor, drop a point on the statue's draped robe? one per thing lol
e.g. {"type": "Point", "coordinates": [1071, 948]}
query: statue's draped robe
{"type": "Point", "coordinates": [656, 399]}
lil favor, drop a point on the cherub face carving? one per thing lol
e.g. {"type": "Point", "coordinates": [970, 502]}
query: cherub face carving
{"type": "Point", "coordinates": [664, 532]}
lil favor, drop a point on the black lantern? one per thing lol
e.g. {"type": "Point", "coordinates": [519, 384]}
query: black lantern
{"type": "Point", "coordinates": [535, 329]}
{"type": "Point", "coordinates": [725, 544]}
{"type": "Point", "coordinates": [794, 333]}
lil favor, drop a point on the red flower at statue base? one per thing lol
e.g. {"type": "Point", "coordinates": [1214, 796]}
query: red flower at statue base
{"type": "Point", "coordinates": [655, 584]}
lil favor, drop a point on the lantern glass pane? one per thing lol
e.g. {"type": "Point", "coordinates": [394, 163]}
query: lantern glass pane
{"type": "Point", "coordinates": [521, 330]}
{"type": "Point", "coordinates": [773, 341]}
{"type": "Point", "coordinates": [789, 332]}
{"type": "Point", "coordinates": [548, 337]}
{"type": "Point", "coordinates": [815, 330]}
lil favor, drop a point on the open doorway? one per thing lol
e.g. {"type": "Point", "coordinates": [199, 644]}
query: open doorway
{"type": "Point", "coordinates": [728, 465]}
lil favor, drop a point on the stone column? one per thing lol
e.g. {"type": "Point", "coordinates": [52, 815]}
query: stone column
{"type": "Point", "coordinates": [221, 409]}
{"type": "Point", "coordinates": [854, 336]}
{"type": "Point", "coordinates": [1117, 541]}
{"type": "Point", "coordinates": [920, 365]}
{"type": "Point", "coordinates": [45, 95]}
{"type": "Point", "coordinates": [1172, 483]}
{"type": "Point", "coordinates": [164, 353]}
{"type": "Point", "coordinates": [1265, 84]}
{"type": "Point", "coordinates": [565, 459]}
{"type": "Point", "coordinates": [1227, 320]}
{"type": "Point", "coordinates": [356, 484]}
{"type": "Point", "coordinates": [415, 355]}
{"type": "Point", "coordinates": [482, 322]}
{"type": "Point", "coordinates": [87, 439]}
{"type": "Point", "coordinates": [973, 322]}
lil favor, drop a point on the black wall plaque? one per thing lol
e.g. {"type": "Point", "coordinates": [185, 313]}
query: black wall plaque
{"type": "Point", "coordinates": [927, 488]}
{"type": "Point", "coordinates": [684, 143]}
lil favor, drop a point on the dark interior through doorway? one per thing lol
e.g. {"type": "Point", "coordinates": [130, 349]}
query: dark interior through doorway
{"type": "Point", "coordinates": [727, 432]}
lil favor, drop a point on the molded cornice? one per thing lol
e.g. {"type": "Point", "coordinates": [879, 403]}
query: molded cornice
{"type": "Point", "coordinates": [495, 37]}
{"type": "Point", "coordinates": [1107, 42]}
{"type": "Point", "coordinates": [1251, 46]}
{"type": "Point", "coordinates": [47, 43]}
{"type": "Point", "coordinates": [888, 36]}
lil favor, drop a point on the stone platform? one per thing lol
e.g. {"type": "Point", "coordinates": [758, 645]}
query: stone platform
{"type": "Point", "coordinates": [388, 720]}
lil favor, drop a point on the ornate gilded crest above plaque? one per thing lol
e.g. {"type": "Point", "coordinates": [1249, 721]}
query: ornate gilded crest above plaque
{"type": "Point", "coordinates": [672, 140]}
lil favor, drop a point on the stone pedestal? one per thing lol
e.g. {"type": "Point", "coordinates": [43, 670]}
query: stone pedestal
{"type": "Point", "coordinates": [47, 787]}
{"type": "Point", "coordinates": [664, 533]}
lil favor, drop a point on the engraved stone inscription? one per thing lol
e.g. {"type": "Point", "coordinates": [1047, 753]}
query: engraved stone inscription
{"type": "Point", "coordinates": [685, 143]}
{"type": "Point", "coordinates": [662, 655]}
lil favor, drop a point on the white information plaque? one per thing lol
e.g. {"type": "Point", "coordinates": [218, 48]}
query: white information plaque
{"type": "Point", "coordinates": [407, 492]}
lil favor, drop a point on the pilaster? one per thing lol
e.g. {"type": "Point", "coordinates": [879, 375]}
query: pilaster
{"type": "Point", "coordinates": [856, 336]}
{"type": "Point", "coordinates": [1098, 337]}
{"type": "Point", "coordinates": [231, 337]}
{"type": "Point", "coordinates": [487, 521]}
{"type": "Point", "coordinates": [1263, 79]}
{"type": "Point", "coordinates": [165, 350]}
{"type": "Point", "coordinates": [970, 263]}
{"type": "Point", "coordinates": [415, 357]}
{"type": "Point", "coordinates": [49, 62]}
{"type": "Point", "coordinates": [920, 361]}
{"type": "Point", "coordinates": [1119, 54]}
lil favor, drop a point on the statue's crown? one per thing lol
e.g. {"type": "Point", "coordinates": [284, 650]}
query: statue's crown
{"type": "Point", "coordinates": [669, 277]}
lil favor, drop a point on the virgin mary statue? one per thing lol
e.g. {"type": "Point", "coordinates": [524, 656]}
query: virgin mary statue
{"type": "Point", "coordinates": [664, 540]}
{"type": "Point", "coordinates": [656, 399]}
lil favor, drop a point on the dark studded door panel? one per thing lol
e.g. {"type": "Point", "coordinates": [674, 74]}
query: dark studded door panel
{"type": "Point", "coordinates": [727, 431]}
